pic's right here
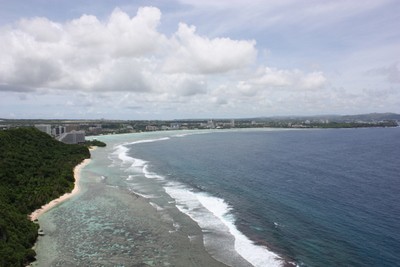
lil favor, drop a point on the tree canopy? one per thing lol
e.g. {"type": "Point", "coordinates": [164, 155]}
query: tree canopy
{"type": "Point", "coordinates": [34, 169]}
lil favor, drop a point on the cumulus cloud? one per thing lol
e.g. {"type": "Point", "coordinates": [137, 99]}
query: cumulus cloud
{"type": "Point", "coordinates": [82, 54]}
{"type": "Point", "coordinates": [119, 36]}
{"type": "Point", "coordinates": [182, 84]}
{"type": "Point", "coordinates": [278, 79]}
{"type": "Point", "coordinates": [126, 63]}
{"type": "Point", "coordinates": [197, 54]}
{"type": "Point", "coordinates": [41, 29]}
{"type": "Point", "coordinates": [122, 53]}
{"type": "Point", "coordinates": [313, 80]}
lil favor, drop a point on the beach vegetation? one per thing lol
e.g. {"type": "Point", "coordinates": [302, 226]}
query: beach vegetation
{"type": "Point", "coordinates": [34, 169]}
{"type": "Point", "coordinates": [95, 142]}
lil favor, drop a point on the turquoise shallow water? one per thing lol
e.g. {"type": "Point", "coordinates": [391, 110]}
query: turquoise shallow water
{"type": "Point", "coordinates": [107, 224]}
{"type": "Point", "coordinates": [313, 197]}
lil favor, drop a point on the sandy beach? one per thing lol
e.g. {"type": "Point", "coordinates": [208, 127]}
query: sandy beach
{"type": "Point", "coordinates": [77, 170]}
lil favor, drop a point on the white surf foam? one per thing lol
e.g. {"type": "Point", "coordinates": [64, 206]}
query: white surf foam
{"type": "Point", "coordinates": [157, 207]}
{"type": "Point", "coordinates": [151, 175]}
{"type": "Point", "coordinates": [219, 217]}
{"type": "Point", "coordinates": [257, 255]}
{"type": "Point", "coordinates": [211, 213]}
{"type": "Point", "coordinates": [181, 135]}
{"type": "Point", "coordinates": [121, 153]}
{"type": "Point", "coordinates": [143, 195]}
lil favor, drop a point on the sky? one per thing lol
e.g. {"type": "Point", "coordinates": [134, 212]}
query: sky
{"type": "Point", "coordinates": [181, 59]}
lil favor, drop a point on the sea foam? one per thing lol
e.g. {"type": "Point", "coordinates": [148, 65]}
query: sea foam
{"type": "Point", "coordinates": [256, 255]}
{"type": "Point", "coordinates": [121, 153]}
{"type": "Point", "coordinates": [213, 215]}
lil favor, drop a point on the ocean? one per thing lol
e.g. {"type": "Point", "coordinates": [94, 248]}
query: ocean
{"type": "Point", "coordinates": [254, 197]}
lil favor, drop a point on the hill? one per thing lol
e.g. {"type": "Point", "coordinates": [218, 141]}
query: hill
{"type": "Point", "coordinates": [373, 117]}
{"type": "Point", "coordinates": [34, 169]}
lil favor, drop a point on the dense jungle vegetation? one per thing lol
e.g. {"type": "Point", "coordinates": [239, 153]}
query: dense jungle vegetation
{"type": "Point", "coordinates": [34, 169]}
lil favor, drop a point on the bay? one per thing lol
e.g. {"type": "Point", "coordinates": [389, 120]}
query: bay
{"type": "Point", "coordinates": [317, 197]}
{"type": "Point", "coordinates": [252, 197]}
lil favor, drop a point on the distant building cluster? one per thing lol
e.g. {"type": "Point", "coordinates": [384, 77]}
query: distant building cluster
{"type": "Point", "coordinates": [212, 124]}
{"type": "Point", "coordinates": [73, 137]}
{"type": "Point", "coordinates": [171, 126]}
{"type": "Point", "coordinates": [74, 131]}
{"type": "Point", "coordinates": [67, 134]}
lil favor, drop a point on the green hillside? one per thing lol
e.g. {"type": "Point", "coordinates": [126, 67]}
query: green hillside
{"type": "Point", "coordinates": [34, 169]}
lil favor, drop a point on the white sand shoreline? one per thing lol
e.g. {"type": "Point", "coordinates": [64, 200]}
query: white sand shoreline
{"type": "Point", "coordinates": [77, 172]}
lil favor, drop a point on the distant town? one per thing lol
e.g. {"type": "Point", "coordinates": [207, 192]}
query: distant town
{"type": "Point", "coordinates": [74, 131]}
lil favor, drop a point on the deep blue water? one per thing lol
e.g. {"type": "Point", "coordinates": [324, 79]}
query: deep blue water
{"type": "Point", "coordinates": [318, 197]}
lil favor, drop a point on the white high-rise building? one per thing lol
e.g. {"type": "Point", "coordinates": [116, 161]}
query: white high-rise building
{"type": "Point", "coordinates": [73, 137]}
{"type": "Point", "coordinates": [46, 128]}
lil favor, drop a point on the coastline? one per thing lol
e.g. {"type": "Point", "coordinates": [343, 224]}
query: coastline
{"type": "Point", "coordinates": [125, 229]}
{"type": "Point", "coordinates": [77, 171]}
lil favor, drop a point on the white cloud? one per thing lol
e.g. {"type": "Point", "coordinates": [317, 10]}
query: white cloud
{"type": "Point", "coordinates": [272, 77]}
{"type": "Point", "coordinates": [120, 35]}
{"type": "Point", "coordinates": [127, 63]}
{"type": "Point", "coordinates": [180, 84]}
{"type": "Point", "coordinates": [122, 53]}
{"type": "Point", "coordinates": [191, 53]}
{"type": "Point", "coordinates": [41, 29]}
{"type": "Point", "coordinates": [82, 54]}
{"type": "Point", "coordinates": [313, 80]}
{"type": "Point", "coordinates": [276, 79]}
